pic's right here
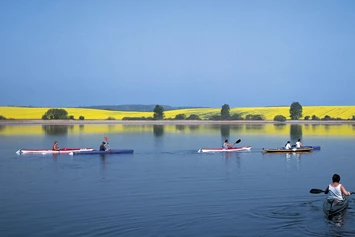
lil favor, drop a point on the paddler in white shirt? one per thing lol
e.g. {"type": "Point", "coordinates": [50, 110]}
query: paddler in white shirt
{"type": "Point", "coordinates": [226, 145]}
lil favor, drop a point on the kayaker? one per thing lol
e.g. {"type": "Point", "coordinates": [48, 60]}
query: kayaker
{"type": "Point", "coordinates": [299, 144]}
{"type": "Point", "coordinates": [336, 190]}
{"type": "Point", "coordinates": [288, 145]}
{"type": "Point", "coordinates": [55, 146]}
{"type": "Point", "coordinates": [103, 147]}
{"type": "Point", "coordinates": [226, 145]}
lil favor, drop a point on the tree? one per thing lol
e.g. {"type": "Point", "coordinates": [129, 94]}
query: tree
{"type": "Point", "coordinates": [2, 117]}
{"type": "Point", "coordinates": [327, 117]}
{"type": "Point", "coordinates": [237, 116]}
{"type": "Point", "coordinates": [81, 117]}
{"type": "Point", "coordinates": [180, 117]}
{"type": "Point", "coordinates": [295, 111]}
{"type": "Point", "coordinates": [314, 117]}
{"type": "Point", "coordinates": [280, 118]}
{"type": "Point", "coordinates": [193, 117]}
{"type": "Point", "coordinates": [55, 114]}
{"type": "Point", "coordinates": [225, 111]}
{"type": "Point", "coordinates": [307, 117]}
{"type": "Point", "coordinates": [158, 112]}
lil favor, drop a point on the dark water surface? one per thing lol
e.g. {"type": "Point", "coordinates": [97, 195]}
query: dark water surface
{"type": "Point", "coordinates": [166, 188]}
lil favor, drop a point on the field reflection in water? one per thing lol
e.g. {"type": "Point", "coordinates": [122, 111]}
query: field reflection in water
{"type": "Point", "coordinates": [166, 188]}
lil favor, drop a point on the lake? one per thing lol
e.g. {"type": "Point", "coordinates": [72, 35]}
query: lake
{"type": "Point", "coordinates": [167, 188]}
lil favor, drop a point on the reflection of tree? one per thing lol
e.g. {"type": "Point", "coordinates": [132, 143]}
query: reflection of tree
{"type": "Point", "coordinates": [56, 129]}
{"type": "Point", "coordinates": [250, 127]}
{"type": "Point", "coordinates": [225, 131]}
{"type": "Point", "coordinates": [279, 126]}
{"type": "Point", "coordinates": [81, 127]}
{"type": "Point", "coordinates": [295, 132]}
{"type": "Point", "coordinates": [237, 127]}
{"type": "Point", "coordinates": [158, 130]}
{"type": "Point", "coordinates": [315, 127]}
{"type": "Point", "coordinates": [193, 127]}
{"type": "Point", "coordinates": [180, 127]}
{"type": "Point", "coordinates": [2, 127]}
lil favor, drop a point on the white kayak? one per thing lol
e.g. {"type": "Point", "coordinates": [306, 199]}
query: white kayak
{"type": "Point", "coordinates": [43, 151]}
{"type": "Point", "coordinates": [243, 148]}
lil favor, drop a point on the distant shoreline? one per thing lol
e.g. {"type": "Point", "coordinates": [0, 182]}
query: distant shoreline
{"type": "Point", "coordinates": [164, 122]}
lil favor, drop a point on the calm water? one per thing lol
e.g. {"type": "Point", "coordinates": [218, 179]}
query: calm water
{"type": "Point", "coordinates": [166, 188]}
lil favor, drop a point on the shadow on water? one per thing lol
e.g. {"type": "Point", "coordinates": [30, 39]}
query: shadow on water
{"type": "Point", "coordinates": [295, 132]}
{"type": "Point", "coordinates": [56, 129]}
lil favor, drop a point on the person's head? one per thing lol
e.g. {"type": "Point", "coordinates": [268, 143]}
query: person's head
{"type": "Point", "coordinates": [103, 143]}
{"type": "Point", "coordinates": [288, 142]}
{"type": "Point", "coordinates": [226, 140]}
{"type": "Point", "coordinates": [299, 139]}
{"type": "Point", "coordinates": [336, 178]}
{"type": "Point", "coordinates": [56, 142]}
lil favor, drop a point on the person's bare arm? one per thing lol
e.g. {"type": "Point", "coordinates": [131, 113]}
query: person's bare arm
{"type": "Point", "coordinates": [343, 190]}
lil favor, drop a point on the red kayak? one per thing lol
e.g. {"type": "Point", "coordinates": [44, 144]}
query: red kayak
{"type": "Point", "coordinates": [243, 148]}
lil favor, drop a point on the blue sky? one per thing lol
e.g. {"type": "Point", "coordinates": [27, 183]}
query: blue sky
{"type": "Point", "coordinates": [179, 53]}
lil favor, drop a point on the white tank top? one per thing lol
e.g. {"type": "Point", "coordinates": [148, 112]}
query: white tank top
{"type": "Point", "coordinates": [335, 192]}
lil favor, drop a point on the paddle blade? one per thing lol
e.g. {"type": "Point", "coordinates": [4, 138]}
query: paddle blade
{"type": "Point", "coordinates": [106, 139]}
{"type": "Point", "coordinates": [315, 191]}
{"type": "Point", "coordinates": [238, 141]}
{"type": "Point", "coordinates": [352, 192]}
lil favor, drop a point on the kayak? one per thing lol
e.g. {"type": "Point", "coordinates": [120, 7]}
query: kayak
{"type": "Point", "coordinates": [61, 151]}
{"type": "Point", "coordinates": [314, 147]}
{"type": "Point", "coordinates": [288, 150]}
{"type": "Point", "coordinates": [95, 152]}
{"type": "Point", "coordinates": [333, 206]}
{"type": "Point", "coordinates": [243, 148]}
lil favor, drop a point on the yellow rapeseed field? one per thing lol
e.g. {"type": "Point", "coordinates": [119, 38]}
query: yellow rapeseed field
{"type": "Point", "coordinates": [344, 112]}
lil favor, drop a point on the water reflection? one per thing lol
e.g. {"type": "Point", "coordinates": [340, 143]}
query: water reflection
{"type": "Point", "coordinates": [279, 126]}
{"type": "Point", "coordinates": [180, 128]}
{"type": "Point", "coordinates": [56, 129]}
{"type": "Point", "coordinates": [295, 132]}
{"type": "Point", "coordinates": [225, 131]}
{"type": "Point", "coordinates": [291, 158]}
{"type": "Point", "coordinates": [252, 127]}
{"type": "Point", "coordinates": [194, 127]}
{"type": "Point", "coordinates": [158, 130]}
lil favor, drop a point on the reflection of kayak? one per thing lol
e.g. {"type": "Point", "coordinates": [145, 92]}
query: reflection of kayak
{"type": "Point", "coordinates": [61, 151]}
{"type": "Point", "coordinates": [244, 148]}
{"type": "Point", "coordinates": [334, 206]}
{"type": "Point", "coordinates": [94, 152]}
{"type": "Point", "coordinates": [314, 147]}
{"type": "Point", "coordinates": [288, 150]}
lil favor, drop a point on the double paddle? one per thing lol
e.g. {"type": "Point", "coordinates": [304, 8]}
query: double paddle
{"type": "Point", "coordinates": [316, 191]}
